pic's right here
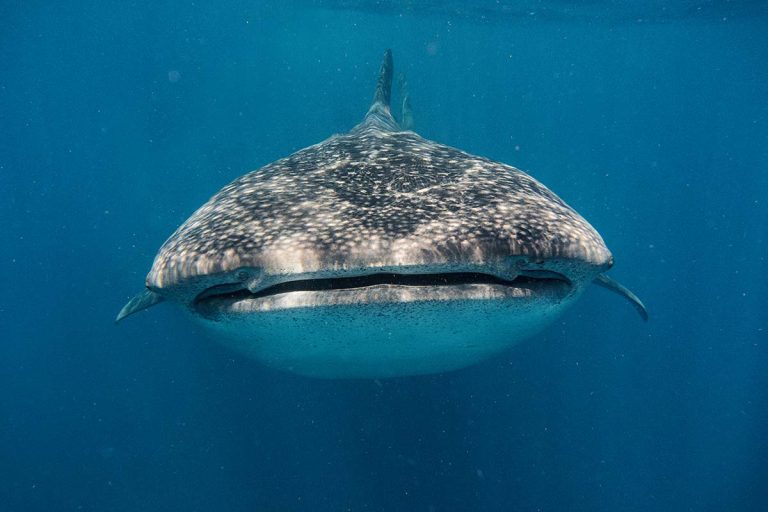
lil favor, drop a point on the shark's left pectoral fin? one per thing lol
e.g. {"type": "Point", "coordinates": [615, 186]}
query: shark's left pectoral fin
{"type": "Point", "coordinates": [143, 300]}
{"type": "Point", "coordinates": [616, 287]}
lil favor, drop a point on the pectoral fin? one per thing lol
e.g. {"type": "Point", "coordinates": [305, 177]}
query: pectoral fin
{"type": "Point", "coordinates": [616, 287]}
{"type": "Point", "coordinates": [143, 300]}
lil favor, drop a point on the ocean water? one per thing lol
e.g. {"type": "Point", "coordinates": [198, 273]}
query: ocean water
{"type": "Point", "coordinates": [119, 119]}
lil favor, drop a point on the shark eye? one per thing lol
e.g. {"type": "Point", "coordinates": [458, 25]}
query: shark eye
{"type": "Point", "coordinates": [251, 278]}
{"type": "Point", "coordinates": [248, 274]}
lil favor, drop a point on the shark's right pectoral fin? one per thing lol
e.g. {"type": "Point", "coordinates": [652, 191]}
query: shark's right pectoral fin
{"type": "Point", "coordinates": [143, 300]}
{"type": "Point", "coordinates": [616, 287]}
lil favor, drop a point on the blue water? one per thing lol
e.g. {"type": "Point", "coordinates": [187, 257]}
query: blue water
{"type": "Point", "coordinates": [119, 119]}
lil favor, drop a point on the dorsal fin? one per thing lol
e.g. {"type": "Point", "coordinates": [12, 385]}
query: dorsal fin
{"type": "Point", "coordinates": [379, 115]}
{"type": "Point", "coordinates": [384, 85]}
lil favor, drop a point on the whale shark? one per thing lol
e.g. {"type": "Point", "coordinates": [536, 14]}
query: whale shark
{"type": "Point", "coordinates": [379, 253]}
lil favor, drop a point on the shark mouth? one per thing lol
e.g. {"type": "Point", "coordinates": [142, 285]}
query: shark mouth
{"type": "Point", "coordinates": [381, 287]}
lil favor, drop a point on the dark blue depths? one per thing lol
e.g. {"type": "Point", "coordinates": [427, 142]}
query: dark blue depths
{"type": "Point", "coordinates": [118, 120]}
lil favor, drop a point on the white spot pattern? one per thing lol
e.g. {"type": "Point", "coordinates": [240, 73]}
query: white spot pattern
{"type": "Point", "coordinates": [374, 198]}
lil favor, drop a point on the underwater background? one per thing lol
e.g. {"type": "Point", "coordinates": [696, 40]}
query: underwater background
{"type": "Point", "coordinates": [118, 119]}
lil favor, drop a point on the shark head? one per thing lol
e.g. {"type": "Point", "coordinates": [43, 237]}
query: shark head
{"type": "Point", "coordinates": [378, 253]}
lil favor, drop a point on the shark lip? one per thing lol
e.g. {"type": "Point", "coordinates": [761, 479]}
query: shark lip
{"type": "Point", "coordinates": [380, 287]}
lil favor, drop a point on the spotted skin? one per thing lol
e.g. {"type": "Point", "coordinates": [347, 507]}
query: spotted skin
{"type": "Point", "coordinates": [375, 198]}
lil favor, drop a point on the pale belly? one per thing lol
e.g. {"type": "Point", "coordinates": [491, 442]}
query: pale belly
{"type": "Point", "coordinates": [373, 340]}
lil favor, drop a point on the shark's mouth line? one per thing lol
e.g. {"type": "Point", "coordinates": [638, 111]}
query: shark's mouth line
{"type": "Point", "coordinates": [235, 292]}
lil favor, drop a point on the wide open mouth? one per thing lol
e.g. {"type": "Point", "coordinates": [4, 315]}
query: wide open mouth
{"type": "Point", "coordinates": [538, 282]}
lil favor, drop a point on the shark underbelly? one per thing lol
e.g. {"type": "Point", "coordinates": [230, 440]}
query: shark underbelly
{"type": "Point", "coordinates": [383, 338]}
